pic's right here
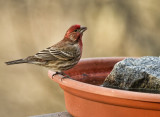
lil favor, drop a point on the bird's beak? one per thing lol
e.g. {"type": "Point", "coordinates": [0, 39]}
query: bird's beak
{"type": "Point", "coordinates": [82, 29]}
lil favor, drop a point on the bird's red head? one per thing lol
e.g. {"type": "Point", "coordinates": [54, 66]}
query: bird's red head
{"type": "Point", "coordinates": [75, 32]}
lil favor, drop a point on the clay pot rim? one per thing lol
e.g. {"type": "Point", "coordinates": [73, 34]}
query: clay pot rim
{"type": "Point", "coordinates": [139, 96]}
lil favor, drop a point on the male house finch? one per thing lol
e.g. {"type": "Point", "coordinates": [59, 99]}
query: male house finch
{"type": "Point", "coordinates": [61, 56]}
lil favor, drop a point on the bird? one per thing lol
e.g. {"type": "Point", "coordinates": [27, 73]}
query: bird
{"type": "Point", "coordinates": [60, 57]}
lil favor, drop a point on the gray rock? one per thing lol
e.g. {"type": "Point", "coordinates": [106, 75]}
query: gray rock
{"type": "Point", "coordinates": [137, 74]}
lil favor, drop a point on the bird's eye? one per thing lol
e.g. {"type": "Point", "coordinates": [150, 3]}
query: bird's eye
{"type": "Point", "coordinates": [76, 30]}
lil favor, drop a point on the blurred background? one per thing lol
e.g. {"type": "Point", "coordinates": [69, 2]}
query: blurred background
{"type": "Point", "coordinates": [115, 28]}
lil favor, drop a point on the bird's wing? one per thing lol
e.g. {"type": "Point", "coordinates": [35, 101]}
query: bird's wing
{"type": "Point", "coordinates": [45, 55]}
{"type": "Point", "coordinates": [53, 53]}
{"type": "Point", "coordinates": [62, 53]}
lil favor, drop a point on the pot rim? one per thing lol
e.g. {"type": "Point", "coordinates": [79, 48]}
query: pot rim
{"type": "Point", "coordinates": [103, 91]}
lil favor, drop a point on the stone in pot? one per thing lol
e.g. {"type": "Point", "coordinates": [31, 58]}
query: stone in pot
{"type": "Point", "coordinates": [136, 74]}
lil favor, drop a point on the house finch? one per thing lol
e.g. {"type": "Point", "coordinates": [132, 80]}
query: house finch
{"type": "Point", "coordinates": [61, 56]}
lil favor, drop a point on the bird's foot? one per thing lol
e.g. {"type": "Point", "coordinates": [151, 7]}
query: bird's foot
{"type": "Point", "coordinates": [63, 74]}
{"type": "Point", "coordinates": [57, 73]}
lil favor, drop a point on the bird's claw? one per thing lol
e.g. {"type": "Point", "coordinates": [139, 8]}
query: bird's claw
{"type": "Point", "coordinates": [63, 74]}
{"type": "Point", "coordinates": [66, 76]}
{"type": "Point", "coordinates": [55, 74]}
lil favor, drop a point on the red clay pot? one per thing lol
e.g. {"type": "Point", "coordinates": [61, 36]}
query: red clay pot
{"type": "Point", "coordinates": [86, 100]}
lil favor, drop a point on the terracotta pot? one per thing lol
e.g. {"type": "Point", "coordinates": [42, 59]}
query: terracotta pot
{"type": "Point", "coordinates": [87, 100]}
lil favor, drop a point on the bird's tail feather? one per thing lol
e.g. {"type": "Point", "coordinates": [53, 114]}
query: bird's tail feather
{"type": "Point", "coordinates": [19, 61]}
